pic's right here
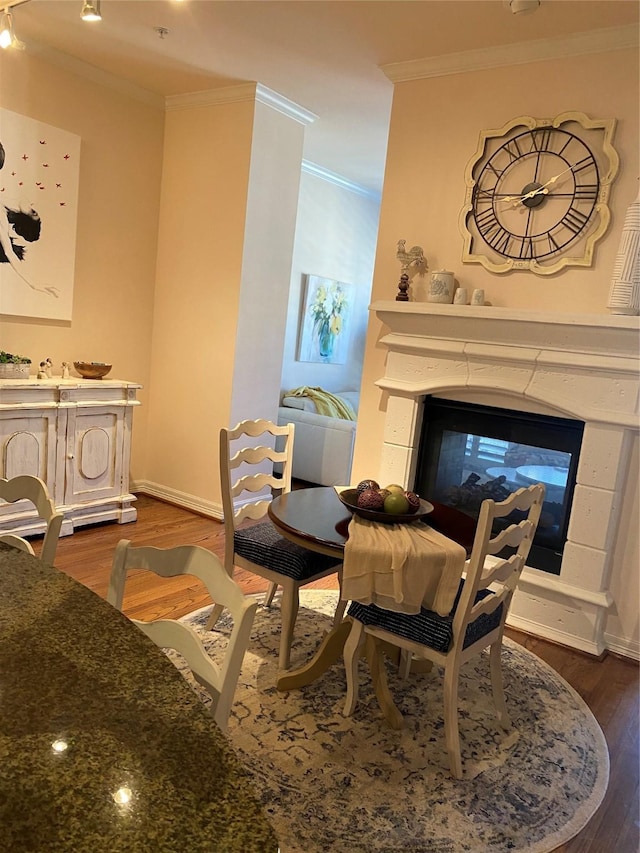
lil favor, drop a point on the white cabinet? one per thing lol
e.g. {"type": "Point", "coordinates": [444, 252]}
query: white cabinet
{"type": "Point", "coordinates": [76, 435]}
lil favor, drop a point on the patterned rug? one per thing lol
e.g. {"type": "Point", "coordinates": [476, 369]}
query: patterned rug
{"type": "Point", "coordinates": [353, 785]}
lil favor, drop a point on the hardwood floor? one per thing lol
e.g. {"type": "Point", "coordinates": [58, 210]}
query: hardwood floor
{"type": "Point", "coordinates": [610, 687]}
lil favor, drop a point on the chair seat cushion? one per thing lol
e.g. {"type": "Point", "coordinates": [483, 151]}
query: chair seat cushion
{"type": "Point", "coordinates": [426, 627]}
{"type": "Point", "coordinates": [263, 545]}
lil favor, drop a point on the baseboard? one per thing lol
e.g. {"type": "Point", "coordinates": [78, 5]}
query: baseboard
{"type": "Point", "coordinates": [571, 641]}
{"type": "Point", "coordinates": [173, 496]}
{"type": "Point", "coordinates": [622, 646]}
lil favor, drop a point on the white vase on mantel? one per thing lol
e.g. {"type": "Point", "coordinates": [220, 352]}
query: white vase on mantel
{"type": "Point", "coordinates": [624, 297]}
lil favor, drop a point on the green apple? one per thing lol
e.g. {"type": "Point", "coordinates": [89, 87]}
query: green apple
{"type": "Point", "coordinates": [396, 504]}
{"type": "Point", "coordinates": [395, 489]}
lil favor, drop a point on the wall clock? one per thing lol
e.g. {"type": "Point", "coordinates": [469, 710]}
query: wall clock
{"type": "Point", "coordinates": [537, 193]}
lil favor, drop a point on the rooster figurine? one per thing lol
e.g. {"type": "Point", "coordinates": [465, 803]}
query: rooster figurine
{"type": "Point", "coordinates": [412, 261]}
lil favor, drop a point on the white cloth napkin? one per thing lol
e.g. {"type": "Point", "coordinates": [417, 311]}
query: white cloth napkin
{"type": "Point", "coordinates": [401, 567]}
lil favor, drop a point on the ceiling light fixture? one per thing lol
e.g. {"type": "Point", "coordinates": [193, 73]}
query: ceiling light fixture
{"type": "Point", "coordinates": [519, 7]}
{"type": "Point", "coordinates": [91, 10]}
{"type": "Point", "coordinates": [7, 36]}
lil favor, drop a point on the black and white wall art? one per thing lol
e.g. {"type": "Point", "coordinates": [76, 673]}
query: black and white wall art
{"type": "Point", "coordinates": [39, 177]}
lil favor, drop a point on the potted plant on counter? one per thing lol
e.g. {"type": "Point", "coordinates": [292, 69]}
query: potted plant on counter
{"type": "Point", "coordinates": [13, 366]}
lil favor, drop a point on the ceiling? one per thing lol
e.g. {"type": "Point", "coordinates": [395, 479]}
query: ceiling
{"type": "Point", "coordinates": [325, 56]}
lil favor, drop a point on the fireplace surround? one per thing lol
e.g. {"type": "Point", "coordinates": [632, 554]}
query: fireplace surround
{"type": "Point", "coordinates": [582, 367]}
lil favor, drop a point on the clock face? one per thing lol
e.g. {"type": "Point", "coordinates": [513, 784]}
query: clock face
{"type": "Point", "coordinates": [537, 192]}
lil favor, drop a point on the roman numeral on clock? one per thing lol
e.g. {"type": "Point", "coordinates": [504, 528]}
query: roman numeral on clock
{"type": "Point", "coordinates": [513, 150]}
{"type": "Point", "coordinates": [541, 139]}
{"type": "Point", "coordinates": [586, 192]}
{"type": "Point", "coordinates": [574, 220]}
{"type": "Point", "coordinates": [526, 249]}
{"type": "Point", "coordinates": [492, 232]}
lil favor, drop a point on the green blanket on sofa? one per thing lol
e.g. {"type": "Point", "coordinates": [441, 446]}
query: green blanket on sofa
{"type": "Point", "coordinates": [326, 403]}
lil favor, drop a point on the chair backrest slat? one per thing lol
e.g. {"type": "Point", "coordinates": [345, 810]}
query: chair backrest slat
{"type": "Point", "coordinates": [256, 455]}
{"type": "Point", "coordinates": [254, 483]}
{"type": "Point", "coordinates": [253, 511]}
{"type": "Point", "coordinates": [511, 537]}
{"type": "Point", "coordinates": [27, 487]}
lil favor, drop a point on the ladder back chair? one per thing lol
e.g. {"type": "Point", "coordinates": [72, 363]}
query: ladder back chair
{"type": "Point", "coordinates": [220, 681]}
{"type": "Point", "coordinates": [476, 621]}
{"type": "Point", "coordinates": [259, 548]}
{"type": "Point", "coordinates": [26, 487]}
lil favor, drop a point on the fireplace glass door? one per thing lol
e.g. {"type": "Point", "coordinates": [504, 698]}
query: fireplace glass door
{"type": "Point", "coordinates": [468, 453]}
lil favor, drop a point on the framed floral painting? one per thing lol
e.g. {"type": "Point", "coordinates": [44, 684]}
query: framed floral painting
{"type": "Point", "coordinates": [325, 321]}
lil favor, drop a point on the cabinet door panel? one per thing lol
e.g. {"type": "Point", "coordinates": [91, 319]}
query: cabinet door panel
{"type": "Point", "coordinates": [22, 455]}
{"type": "Point", "coordinates": [28, 444]}
{"type": "Point", "coordinates": [94, 454]}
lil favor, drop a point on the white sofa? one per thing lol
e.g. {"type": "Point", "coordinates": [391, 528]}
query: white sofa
{"type": "Point", "coordinates": [323, 446]}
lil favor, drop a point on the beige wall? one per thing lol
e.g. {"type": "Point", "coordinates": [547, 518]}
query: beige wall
{"type": "Point", "coordinates": [434, 132]}
{"type": "Point", "coordinates": [120, 169]}
{"type": "Point", "coordinates": [205, 180]}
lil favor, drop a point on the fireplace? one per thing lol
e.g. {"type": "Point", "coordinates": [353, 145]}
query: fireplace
{"type": "Point", "coordinates": [468, 452]}
{"type": "Point", "coordinates": [570, 368]}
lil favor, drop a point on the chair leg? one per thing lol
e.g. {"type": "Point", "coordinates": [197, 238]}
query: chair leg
{"type": "Point", "coordinates": [380, 685]}
{"type": "Point", "coordinates": [404, 666]}
{"type": "Point", "coordinates": [342, 603]}
{"type": "Point", "coordinates": [215, 615]}
{"type": "Point", "coordinates": [352, 653]}
{"type": "Point", "coordinates": [338, 616]}
{"type": "Point", "coordinates": [289, 611]}
{"type": "Point", "coordinates": [496, 684]}
{"type": "Point", "coordinates": [452, 734]}
{"type": "Point", "coordinates": [270, 593]}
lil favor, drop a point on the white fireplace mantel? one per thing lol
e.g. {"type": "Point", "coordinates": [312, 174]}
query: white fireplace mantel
{"type": "Point", "coordinates": [583, 367]}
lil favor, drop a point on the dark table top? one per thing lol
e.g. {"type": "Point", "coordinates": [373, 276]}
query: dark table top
{"type": "Point", "coordinates": [317, 517]}
{"type": "Point", "coordinates": [74, 669]}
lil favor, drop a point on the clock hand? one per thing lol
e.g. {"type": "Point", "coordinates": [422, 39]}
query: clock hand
{"type": "Point", "coordinates": [542, 190]}
{"type": "Point", "coordinates": [548, 183]}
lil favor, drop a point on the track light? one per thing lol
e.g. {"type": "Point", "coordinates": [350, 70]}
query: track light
{"type": "Point", "coordinates": [91, 10]}
{"type": "Point", "coordinates": [519, 7]}
{"type": "Point", "coordinates": [7, 36]}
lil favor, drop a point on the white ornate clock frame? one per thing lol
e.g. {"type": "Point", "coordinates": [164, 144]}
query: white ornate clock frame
{"type": "Point", "coordinates": [601, 209]}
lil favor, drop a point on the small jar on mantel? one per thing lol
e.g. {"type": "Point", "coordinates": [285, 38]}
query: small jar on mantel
{"type": "Point", "coordinates": [441, 287]}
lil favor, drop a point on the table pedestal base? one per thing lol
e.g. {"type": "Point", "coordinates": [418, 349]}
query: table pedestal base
{"type": "Point", "coordinates": [328, 653]}
{"type": "Point", "coordinates": [330, 650]}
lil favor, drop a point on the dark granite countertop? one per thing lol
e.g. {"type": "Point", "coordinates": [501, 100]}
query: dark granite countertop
{"type": "Point", "coordinates": [75, 671]}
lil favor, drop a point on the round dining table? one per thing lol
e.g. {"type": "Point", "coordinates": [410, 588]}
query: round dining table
{"type": "Point", "coordinates": [317, 519]}
{"type": "Point", "coordinates": [103, 745]}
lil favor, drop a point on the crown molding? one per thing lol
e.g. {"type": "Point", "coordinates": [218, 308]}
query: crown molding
{"type": "Point", "coordinates": [237, 94]}
{"type": "Point", "coordinates": [95, 75]}
{"type": "Point", "coordinates": [211, 97]}
{"type": "Point", "coordinates": [338, 180]}
{"type": "Point", "coordinates": [284, 105]}
{"type": "Point", "coordinates": [521, 53]}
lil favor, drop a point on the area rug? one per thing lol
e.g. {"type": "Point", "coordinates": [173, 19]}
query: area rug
{"type": "Point", "coordinates": [353, 785]}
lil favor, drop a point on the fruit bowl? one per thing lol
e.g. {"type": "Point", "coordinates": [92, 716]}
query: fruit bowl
{"type": "Point", "coordinates": [91, 369]}
{"type": "Point", "coordinates": [349, 498]}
